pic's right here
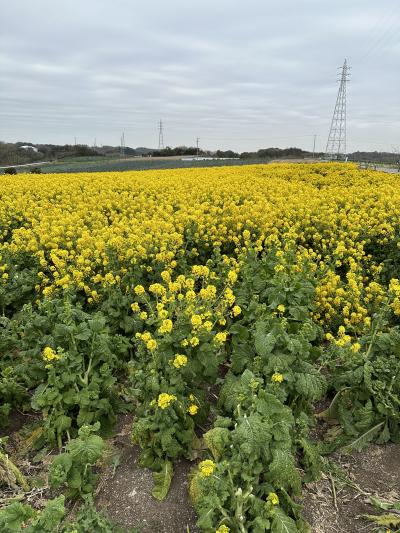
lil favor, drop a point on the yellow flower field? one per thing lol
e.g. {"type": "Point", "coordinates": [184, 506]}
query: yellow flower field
{"type": "Point", "coordinates": [87, 230]}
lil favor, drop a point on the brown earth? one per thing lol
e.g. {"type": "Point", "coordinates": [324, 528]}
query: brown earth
{"type": "Point", "coordinates": [372, 472]}
{"type": "Point", "coordinates": [124, 493]}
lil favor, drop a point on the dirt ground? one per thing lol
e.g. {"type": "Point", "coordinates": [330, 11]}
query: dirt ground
{"type": "Point", "coordinates": [124, 493]}
{"type": "Point", "coordinates": [376, 471]}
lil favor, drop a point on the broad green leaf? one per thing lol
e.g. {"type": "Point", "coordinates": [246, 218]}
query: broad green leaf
{"type": "Point", "coordinates": [386, 520]}
{"type": "Point", "coordinates": [162, 481]}
{"type": "Point", "coordinates": [216, 440]}
{"type": "Point", "coordinates": [282, 523]}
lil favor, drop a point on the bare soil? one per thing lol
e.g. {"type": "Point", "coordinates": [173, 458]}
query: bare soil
{"type": "Point", "coordinates": [124, 493]}
{"type": "Point", "coordinates": [376, 471]}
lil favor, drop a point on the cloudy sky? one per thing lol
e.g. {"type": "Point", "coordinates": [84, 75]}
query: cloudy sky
{"type": "Point", "coordinates": [241, 75]}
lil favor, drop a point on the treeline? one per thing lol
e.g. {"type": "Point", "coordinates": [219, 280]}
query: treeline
{"type": "Point", "coordinates": [375, 157]}
{"type": "Point", "coordinates": [19, 153]}
{"type": "Point", "coordinates": [14, 154]}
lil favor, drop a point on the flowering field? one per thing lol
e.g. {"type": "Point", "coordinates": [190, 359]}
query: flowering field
{"type": "Point", "coordinates": [219, 305]}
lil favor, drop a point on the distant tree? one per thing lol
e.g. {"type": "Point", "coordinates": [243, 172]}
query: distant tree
{"type": "Point", "coordinates": [226, 153]}
{"type": "Point", "coordinates": [36, 170]}
{"type": "Point", "coordinates": [10, 170]}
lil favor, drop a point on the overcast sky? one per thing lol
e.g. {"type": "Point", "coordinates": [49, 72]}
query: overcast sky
{"type": "Point", "coordinates": [236, 74]}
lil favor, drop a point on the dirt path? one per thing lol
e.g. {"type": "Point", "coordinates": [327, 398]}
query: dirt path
{"type": "Point", "coordinates": [125, 495]}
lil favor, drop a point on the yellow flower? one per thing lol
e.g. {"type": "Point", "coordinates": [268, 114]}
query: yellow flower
{"type": "Point", "coordinates": [236, 310]}
{"type": "Point", "coordinates": [190, 295]}
{"type": "Point", "coordinates": [207, 325]}
{"type": "Point", "coordinates": [207, 467]}
{"type": "Point", "coordinates": [157, 289]}
{"type": "Point", "coordinates": [273, 498]}
{"type": "Point", "coordinates": [180, 360]}
{"type": "Point", "coordinates": [196, 321]}
{"type": "Point", "coordinates": [135, 307]}
{"type": "Point", "coordinates": [143, 315]}
{"type": "Point", "coordinates": [166, 326]}
{"type": "Point", "coordinates": [277, 378]}
{"type": "Point", "coordinates": [220, 337]}
{"type": "Point", "coordinates": [164, 400]}
{"type": "Point", "coordinates": [281, 308]}
{"type": "Point", "coordinates": [139, 290]}
{"type": "Point", "coordinates": [166, 276]}
{"type": "Point", "coordinates": [194, 341]}
{"type": "Point", "coordinates": [151, 345]}
{"type": "Point", "coordinates": [49, 354]}
{"type": "Point", "coordinates": [192, 410]}
{"type": "Point", "coordinates": [279, 268]}
{"type": "Point", "coordinates": [232, 277]}
{"type": "Point", "coordinates": [222, 529]}
{"type": "Point", "coordinates": [355, 348]}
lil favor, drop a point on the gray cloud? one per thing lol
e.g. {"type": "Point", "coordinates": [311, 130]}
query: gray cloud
{"type": "Point", "coordinates": [238, 75]}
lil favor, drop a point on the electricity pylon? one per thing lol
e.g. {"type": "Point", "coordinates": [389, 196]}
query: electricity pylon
{"type": "Point", "coordinates": [160, 136]}
{"type": "Point", "coordinates": [336, 145]}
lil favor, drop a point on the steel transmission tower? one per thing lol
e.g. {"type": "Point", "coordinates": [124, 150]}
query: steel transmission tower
{"type": "Point", "coordinates": [122, 147]}
{"type": "Point", "coordinates": [160, 136]}
{"type": "Point", "coordinates": [336, 145]}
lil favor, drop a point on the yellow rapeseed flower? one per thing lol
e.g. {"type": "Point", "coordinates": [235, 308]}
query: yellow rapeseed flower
{"type": "Point", "coordinates": [164, 400]}
{"type": "Point", "coordinates": [207, 467]}
{"type": "Point", "coordinates": [277, 377]}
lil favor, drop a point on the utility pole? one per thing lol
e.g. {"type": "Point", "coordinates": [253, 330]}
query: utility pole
{"type": "Point", "coordinates": [197, 145]}
{"type": "Point", "coordinates": [313, 150]}
{"type": "Point", "coordinates": [336, 145]}
{"type": "Point", "coordinates": [75, 141]}
{"type": "Point", "coordinates": [160, 136]}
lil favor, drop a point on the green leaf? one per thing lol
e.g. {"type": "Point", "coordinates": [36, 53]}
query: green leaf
{"type": "Point", "coordinates": [360, 442]}
{"type": "Point", "coordinates": [385, 506]}
{"type": "Point", "coordinates": [365, 417]}
{"type": "Point", "coordinates": [386, 520]}
{"type": "Point", "coordinates": [240, 357]}
{"type": "Point", "coordinates": [217, 440]}
{"type": "Point", "coordinates": [332, 411]}
{"type": "Point", "coordinates": [282, 523]}
{"type": "Point", "coordinates": [14, 515]}
{"type": "Point", "coordinates": [51, 516]}
{"type": "Point", "coordinates": [97, 324]}
{"type": "Point", "coordinates": [310, 384]}
{"type": "Point", "coordinates": [282, 471]}
{"type": "Point", "coordinates": [162, 481]}
{"type": "Point", "coordinates": [263, 342]}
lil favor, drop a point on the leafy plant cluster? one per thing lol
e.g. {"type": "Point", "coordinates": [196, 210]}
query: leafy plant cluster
{"type": "Point", "coordinates": [68, 361]}
{"type": "Point", "coordinates": [18, 517]}
{"type": "Point", "coordinates": [366, 404]}
{"type": "Point", "coordinates": [260, 445]}
{"type": "Point", "coordinates": [74, 468]}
